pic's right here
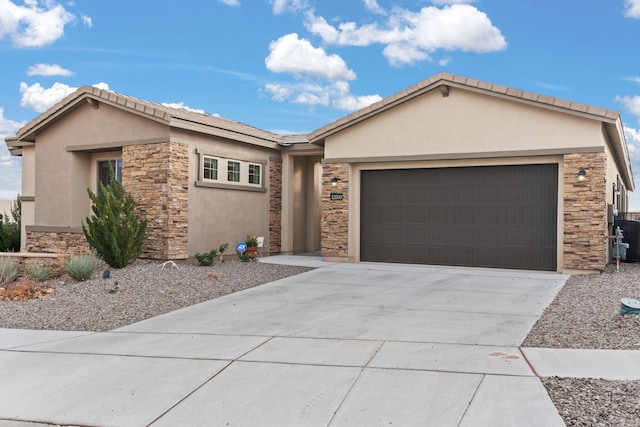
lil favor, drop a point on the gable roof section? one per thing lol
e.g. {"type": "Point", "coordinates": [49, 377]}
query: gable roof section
{"type": "Point", "coordinates": [611, 121]}
{"type": "Point", "coordinates": [173, 117]}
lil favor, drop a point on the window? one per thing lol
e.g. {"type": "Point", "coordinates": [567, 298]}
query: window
{"type": "Point", "coordinates": [254, 174]}
{"type": "Point", "coordinates": [210, 168]}
{"type": "Point", "coordinates": [220, 172]}
{"type": "Point", "coordinates": [108, 169]}
{"type": "Point", "coordinates": [233, 171]}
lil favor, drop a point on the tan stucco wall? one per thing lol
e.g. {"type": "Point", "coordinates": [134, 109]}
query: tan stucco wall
{"type": "Point", "coordinates": [219, 215]}
{"type": "Point", "coordinates": [62, 176]}
{"type": "Point", "coordinates": [464, 123]}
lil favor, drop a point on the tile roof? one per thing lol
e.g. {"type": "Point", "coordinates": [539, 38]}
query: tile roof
{"type": "Point", "coordinates": [171, 116]}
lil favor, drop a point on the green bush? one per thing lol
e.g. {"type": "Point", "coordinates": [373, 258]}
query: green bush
{"type": "Point", "coordinates": [10, 228]}
{"type": "Point", "coordinates": [8, 269]}
{"type": "Point", "coordinates": [114, 231]}
{"type": "Point", "coordinates": [81, 267]}
{"type": "Point", "coordinates": [245, 258]}
{"type": "Point", "coordinates": [223, 247]}
{"type": "Point", "coordinates": [206, 258]}
{"type": "Point", "coordinates": [40, 273]}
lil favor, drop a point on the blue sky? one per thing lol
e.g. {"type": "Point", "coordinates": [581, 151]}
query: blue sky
{"type": "Point", "coordinates": [296, 65]}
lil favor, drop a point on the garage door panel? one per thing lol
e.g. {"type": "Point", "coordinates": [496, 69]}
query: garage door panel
{"type": "Point", "coordinates": [500, 216]}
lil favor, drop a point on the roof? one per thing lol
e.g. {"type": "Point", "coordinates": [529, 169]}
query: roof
{"type": "Point", "coordinates": [217, 126]}
{"type": "Point", "coordinates": [174, 117]}
{"type": "Point", "coordinates": [447, 79]}
{"type": "Point", "coordinates": [610, 119]}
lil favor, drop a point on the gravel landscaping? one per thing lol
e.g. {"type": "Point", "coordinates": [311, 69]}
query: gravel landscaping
{"type": "Point", "coordinates": [137, 292]}
{"type": "Point", "coordinates": [585, 314]}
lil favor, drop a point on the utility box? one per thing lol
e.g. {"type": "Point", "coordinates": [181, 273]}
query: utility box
{"type": "Point", "coordinates": [620, 250]}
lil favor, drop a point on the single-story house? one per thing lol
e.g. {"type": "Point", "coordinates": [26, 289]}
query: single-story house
{"type": "Point", "coordinates": [450, 171]}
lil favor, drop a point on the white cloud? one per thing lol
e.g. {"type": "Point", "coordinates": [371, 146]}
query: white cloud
{"type": "Point", "coordinates": [444, 62]}
{"type": "Point", "coordinates": [373, 7]}
{"type": "Point", "coordinates": [101, 85]}
{"type": "Point", "coordinates": [337, 95]}
{"type": "Point", "coordinates": [632, 8]}
{"type": "Point", "coordinates": [87, 21]}
{"type": "Point", "coordinates": [32, 26]}
{"type": "Point", "coordinates": [291, 6]}
{"type": "Point", "coordinates": [633, 79]}
{"type": "Point", "coordinates": [39, 99]}
{"type": "Point", "coordinates": [11, 165]}
{"type": "Point", "coordinates": [233, 3]}
{"type": "Point", "coordinates": [445, 2]}
{"type": "Point", "coordinates": [410, 37]}
{"type": "Point", "coordinates": [48, 70]}
{"type": "Point", "coordinates": [631, 103]}
{"type": "Point", "coordinates": [289, 54]}
{"type": "Point", "coordinates": [181, 106]}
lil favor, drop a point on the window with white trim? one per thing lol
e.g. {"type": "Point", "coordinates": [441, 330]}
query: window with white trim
{"type": "Point", "coordinates": [233, 171]}
{"type": "Point", "coordinates": [210, 168]}
{"type": "Point", "coordinates": [255, 173]}
{"type": "Point", "coordinates": [218, 170]}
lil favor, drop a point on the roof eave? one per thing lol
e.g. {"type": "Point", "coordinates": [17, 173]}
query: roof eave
{"type": "Point", "coordinates": [224, 133]}
{"type": "Point", "coordinates": [615, 132]}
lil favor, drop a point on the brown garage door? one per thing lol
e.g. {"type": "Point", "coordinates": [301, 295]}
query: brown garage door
{"type": "Point", "coordinates": [494, 216]}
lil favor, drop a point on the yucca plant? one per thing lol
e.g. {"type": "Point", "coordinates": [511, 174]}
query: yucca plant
{"type": "Point", "coordinates": [8, 269]}
{"type": "Point", "coordinates": [81, 267]}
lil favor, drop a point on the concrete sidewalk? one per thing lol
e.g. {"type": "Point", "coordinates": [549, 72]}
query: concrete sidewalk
{"type": "Point", "coordinates": [345, 344]}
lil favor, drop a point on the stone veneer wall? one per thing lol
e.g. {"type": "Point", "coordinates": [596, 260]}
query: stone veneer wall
{"type": "Point", "coordinates": [334, 239]}
{"type": "Point", "coordinates": [275, 206]}
{"type": "Point", "coordinates": [585, 212]}
{"type": "Point", "coordinates": [157, 177]}
{"type": "Point", "coordinates": [56, 242]}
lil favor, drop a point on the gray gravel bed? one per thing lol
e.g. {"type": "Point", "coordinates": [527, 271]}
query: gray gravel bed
{"type": "Point", "coordinates": [143, 290]}
{"type": "Point", "coordinates": [584, 402]}
{"type": "Point", "coordinates": [585, 314]}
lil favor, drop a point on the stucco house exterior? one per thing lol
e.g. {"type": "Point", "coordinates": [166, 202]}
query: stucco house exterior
{"type": "Point", "coordinates": [449, 171]}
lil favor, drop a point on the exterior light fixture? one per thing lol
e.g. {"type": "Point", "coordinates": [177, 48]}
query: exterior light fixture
{"type": "Point", "coordinates": [582, 174]}
{"type": "Point", "coordinates": [334, 181]}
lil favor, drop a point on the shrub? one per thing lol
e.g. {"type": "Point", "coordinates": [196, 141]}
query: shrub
{"type": "Point", "coordinates": [10, 228]}
{"type": "Point", "coordinates": [81, 267]}
{"type": "Point", "coordinates": [245, 258]}
{"type": "Point", "coordinates": [8, 269]}
{"type": "Point", "coordinates": [223, 247]}
{"type": "Point", "coordinates": [114, 231]}
{"type": "Point", "coordinates": [40, 273]}
{"type": "Point", "coordinates": [206, 258]}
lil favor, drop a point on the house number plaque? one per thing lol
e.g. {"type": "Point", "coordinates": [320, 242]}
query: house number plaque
{"type": "Point", "coordinates": [336, 196]}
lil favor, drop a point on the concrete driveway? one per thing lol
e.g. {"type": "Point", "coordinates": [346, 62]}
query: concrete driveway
{"type": "Point", "coordinates": [343, 345]}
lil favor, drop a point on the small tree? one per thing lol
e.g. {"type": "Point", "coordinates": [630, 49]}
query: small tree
{"type": "Point", "coordinates": [113, 230]}
{"type": "Point", "coordinates": [10, 228]}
